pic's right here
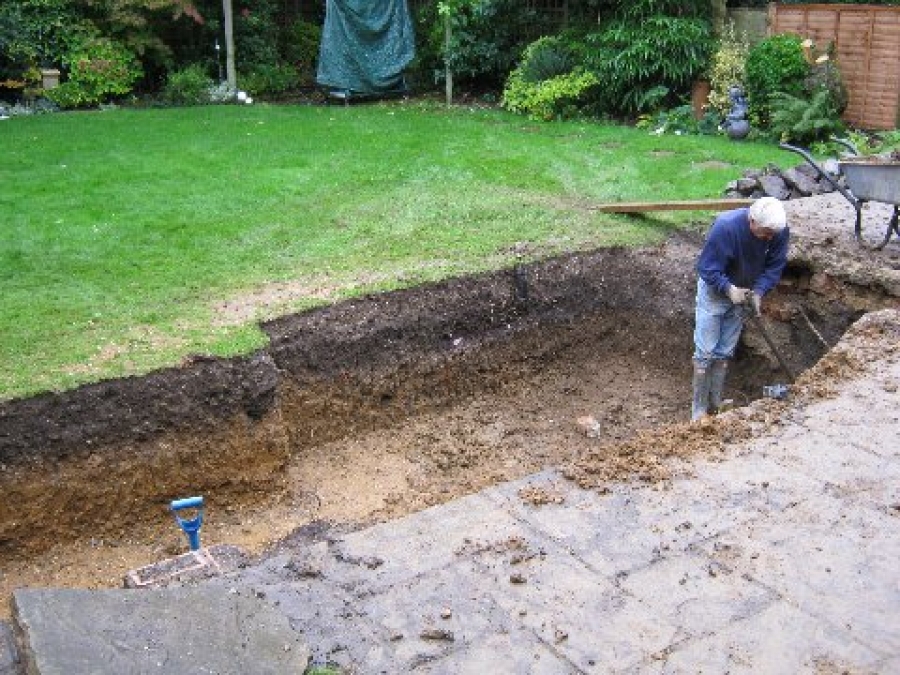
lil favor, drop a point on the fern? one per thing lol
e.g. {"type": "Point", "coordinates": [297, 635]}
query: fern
{"type": "Point", "coordinates": [803, 120]}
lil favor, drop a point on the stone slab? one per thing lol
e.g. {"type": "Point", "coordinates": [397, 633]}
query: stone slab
{"type": "Point", "coordinates": [780, 640]}
{"type": "Point", "coordinates": [173, 631]}
{"type": "Point", "coordinates": [9, 653]}
{"type": "Point", "coordinates": [398, 551]}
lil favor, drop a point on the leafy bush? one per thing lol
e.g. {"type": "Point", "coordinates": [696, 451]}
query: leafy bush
{"type": "Point", "coordinates": [189, 86]}
{"type": "Point", "coordinates": [486, 38]}
{"type": "Point", "coordinates": [99, 70]}
{"type": "Point", "coordinates": [103, 68]}
{"type": "Point", "coordinates": [37, 32]}
{"type": "Point", "coordinates": [727, 69]}
{"type": "Point", "coordinates": [68, 95]}
{"type": "Point", "coordinates": [256, 34]}
{"type": "Point", "coordinates": [557, 97]}
{"type": "Point", "coordinates": [776, 64]}
{"type": "Point", "coordinates": [631, 57]}
{"type": "Point", "coordinates": [269, 80]}
{"type": "Point", "coordinates": [546, 58]}
{"type": "Point", "coordinates": [825, 75]}
{"type": "Point", "coordinates": [802, 119]}
{"type": "Point", "coordinates": [300, 47]}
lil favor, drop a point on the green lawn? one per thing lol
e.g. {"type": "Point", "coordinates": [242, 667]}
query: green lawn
{"type": "Point", "coordinates": [131, 238]}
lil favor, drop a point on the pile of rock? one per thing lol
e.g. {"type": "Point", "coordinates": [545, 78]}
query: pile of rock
{"type": "Point", "coordinates": [784, 184]}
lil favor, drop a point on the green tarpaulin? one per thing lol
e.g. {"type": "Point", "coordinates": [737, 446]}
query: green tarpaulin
{"type": "Point", "coordinates": [365, 46]}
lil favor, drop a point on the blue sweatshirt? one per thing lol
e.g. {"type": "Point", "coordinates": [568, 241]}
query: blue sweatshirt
{"type": "Point", "coordinates": [733, 255]}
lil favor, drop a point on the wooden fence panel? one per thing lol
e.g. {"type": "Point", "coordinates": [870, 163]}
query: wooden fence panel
{"type": "Point", "coordinates": [867, 42]}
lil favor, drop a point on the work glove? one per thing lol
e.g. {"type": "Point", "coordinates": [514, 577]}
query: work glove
{"type": "Point", "coordinates": [756, 301]}
{"type": "Point", "coordinates": [737, 295]}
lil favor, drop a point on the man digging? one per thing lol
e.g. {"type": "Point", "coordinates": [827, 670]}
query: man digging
{"type": "Point", "coordinates": [742, 260]}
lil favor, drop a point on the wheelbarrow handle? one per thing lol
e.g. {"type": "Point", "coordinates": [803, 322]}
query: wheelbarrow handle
{"type": "Point", "coordinates": [847, 144]}
{"type": "Point", "coordinates": [837, 186]}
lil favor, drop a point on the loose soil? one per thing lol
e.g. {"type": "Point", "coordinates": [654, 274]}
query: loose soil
{"type": "Point", "coordinates": [375, 408]}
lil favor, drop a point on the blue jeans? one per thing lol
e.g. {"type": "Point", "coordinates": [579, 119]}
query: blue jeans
{"type": "Point", "coordinates": [717, 327]}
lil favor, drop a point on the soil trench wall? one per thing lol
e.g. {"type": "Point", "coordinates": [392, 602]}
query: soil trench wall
{"type": "Point", "coordinates": [92, 461]}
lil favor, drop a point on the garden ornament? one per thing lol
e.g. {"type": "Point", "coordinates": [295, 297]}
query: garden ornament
{"type": "Point", "coordinates": [736, 124]}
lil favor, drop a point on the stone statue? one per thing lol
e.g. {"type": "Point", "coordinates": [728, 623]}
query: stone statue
{"type": "Point", "coordinates": [736, 124]}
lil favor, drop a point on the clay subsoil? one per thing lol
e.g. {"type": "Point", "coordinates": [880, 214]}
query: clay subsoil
{"type": "Point", "coordinates": [375, 408]}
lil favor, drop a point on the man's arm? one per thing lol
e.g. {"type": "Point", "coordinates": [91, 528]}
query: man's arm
{"type": "Point", "coordinates": [714, 259]}
{"type": "Point", "coordinates": [776, 260]}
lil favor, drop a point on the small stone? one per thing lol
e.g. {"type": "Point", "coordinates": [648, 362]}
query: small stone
{"type": "Point", "coordinates": [517, 578]}
{"type": "Point", "coordinates": [437, 634]}
{"type": "Point", "coordinates": [446, 613]}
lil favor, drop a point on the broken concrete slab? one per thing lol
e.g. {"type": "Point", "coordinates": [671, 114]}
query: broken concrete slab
{"type": "Point", "coordinates": [191, 566]}
{"type": "Point", "coordinates": [176, 631]}
{"type": "Point", "coordinates": [9, 654]}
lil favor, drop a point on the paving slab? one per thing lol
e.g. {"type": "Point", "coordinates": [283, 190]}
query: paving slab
{"type": "Point", "coordinates": [9, 653]}
{"type": "Point", "coordinates": [780, 640]}
{"type": "Point", "coordinates": [173, 631]}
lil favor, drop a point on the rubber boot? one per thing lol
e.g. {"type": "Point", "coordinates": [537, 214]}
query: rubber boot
{"type": "Point", "coordinates": [718, 371]}
{"type": "Point", "coordinates": [700, 404]}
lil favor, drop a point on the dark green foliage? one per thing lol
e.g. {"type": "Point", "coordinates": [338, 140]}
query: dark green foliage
{"type": "Point", "coordinates": [256, 34]}
{"type": "Point", "coordinates": [189, 86]}
{"type": "Point", "coordinates": [546, 58]}
{"type": "Point", "coordinates": [630, 58]}
{"type": "Point", "coordinates": [644, 9]}
{"type": "Point", "coordinates": [486, 39]}
{"type": "Point", "coordinates": [37, 33]}
{"type": "Point", "coordinates": [802, 119]}
{"type": "Point", "coordinates": [776, 64]}
{"type": "Point", "coordinates": [300, 48]}
{"type": "Point", "coordinates": [268, 80]}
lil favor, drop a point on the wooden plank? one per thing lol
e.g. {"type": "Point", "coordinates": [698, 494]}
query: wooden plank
{"type": "Point", "coordinates": [693, 205]}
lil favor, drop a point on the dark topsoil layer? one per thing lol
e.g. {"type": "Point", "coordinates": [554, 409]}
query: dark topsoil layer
{"type": "Point", "coordinates": [231, 425]}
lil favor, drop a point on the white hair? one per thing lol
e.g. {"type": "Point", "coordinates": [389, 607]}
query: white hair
{"type": "Point", "coordinates": [769, 213]}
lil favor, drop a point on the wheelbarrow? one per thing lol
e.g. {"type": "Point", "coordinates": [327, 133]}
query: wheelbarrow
{"type": "Point", "coordinates": [868, 179]}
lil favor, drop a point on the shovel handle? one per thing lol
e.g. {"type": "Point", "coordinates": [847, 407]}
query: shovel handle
{"type": "Point", "coordinates": [186, 503]}
{"type": "Point", "coordinates": [762, 329]}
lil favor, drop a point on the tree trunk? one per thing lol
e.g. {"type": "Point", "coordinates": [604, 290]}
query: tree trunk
{"type": "Point", "coordinates": [230, 72]}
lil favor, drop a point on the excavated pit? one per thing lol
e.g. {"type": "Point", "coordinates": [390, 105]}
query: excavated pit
{"type": "Point", "coordinates": [386, 404]}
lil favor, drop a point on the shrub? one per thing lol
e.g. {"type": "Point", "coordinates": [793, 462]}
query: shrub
{"type": "Point", "coordinates": [68, 95]}
{"type": "Point", "coordinates": [802, 119]}
{"type": "Point", "coordinates": [825, 75]}
{"type": "Point", "coordinates": [189, 86]}
{"type": "Point", "coordinates": [727, 69]}
{"type": "Point", "coordinates": [486, 38]}
{"type": "Point", "coordinates": [256, 34]}
{"type": "Point", "coordinates": [546, 58]}
{"type": "Point", "coordinates": [632, 57]}
{"type": "Point", "coordinates": [557, 97]}
{"type": "Point", "coordinates": [776, 64]}
{"type": "Point", "coordinates": [265, 80]}
{"type": "Point", "coordinates": [99, 70]}
{"type": "Point", "coordinates": [300, 47]}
